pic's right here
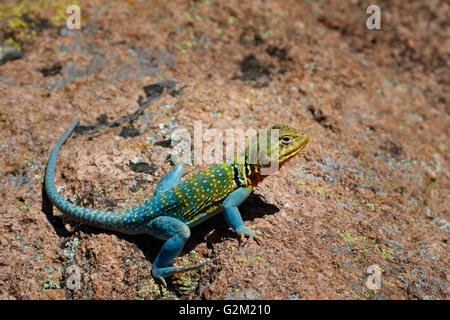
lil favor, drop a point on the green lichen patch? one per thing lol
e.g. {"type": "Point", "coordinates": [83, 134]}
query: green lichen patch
{"type": "Point", "coordinates": [21, 21]}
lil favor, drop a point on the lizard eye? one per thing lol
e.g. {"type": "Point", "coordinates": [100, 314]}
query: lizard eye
{"type": "Point", "coordinates": [286, 140]}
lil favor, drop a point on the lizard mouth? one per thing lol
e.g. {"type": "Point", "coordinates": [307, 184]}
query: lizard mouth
{"type": "Point", "coordinates": [304, 142]}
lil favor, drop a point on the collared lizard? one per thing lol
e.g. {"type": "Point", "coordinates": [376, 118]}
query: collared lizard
{"type": "Point", "coordinates": [178, 205]}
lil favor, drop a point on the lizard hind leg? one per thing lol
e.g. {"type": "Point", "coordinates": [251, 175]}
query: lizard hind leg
{"type": "Point", "coordinates": [175, 232]}
{"type": "Point", "coordinates": [170, 179]}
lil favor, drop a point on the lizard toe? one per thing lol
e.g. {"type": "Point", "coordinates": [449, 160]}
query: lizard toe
{"type": "Point", "coordinates": [163, 282]}
{"type": "Point", "coordinates": [250, 233]}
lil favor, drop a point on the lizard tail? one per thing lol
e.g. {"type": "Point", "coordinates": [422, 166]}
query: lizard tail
{"type": "Point", "coordinates": [124, 221]}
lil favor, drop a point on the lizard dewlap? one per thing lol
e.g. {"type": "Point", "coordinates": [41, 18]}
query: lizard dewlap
{"type": "Point", "coordinates": [178, 205]}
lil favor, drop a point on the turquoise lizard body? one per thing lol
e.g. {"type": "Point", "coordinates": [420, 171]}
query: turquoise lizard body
{"type": "Point", "coordinates": [178, 205]}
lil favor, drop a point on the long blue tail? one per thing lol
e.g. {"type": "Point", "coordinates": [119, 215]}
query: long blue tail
{"type": "Point", "coordinates": [130, 221]}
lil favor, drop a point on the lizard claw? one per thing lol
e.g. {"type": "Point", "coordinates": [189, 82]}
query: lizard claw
{"type": "Point", "coordinates": [250, 233]}
{"type": "Point", "coordinates": [163, 282]}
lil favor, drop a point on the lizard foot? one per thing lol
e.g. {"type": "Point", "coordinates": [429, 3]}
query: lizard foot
{"type": "Point", "coordinates": [244, 232]}
{"type": "Point", "coordinates": [160, 273]}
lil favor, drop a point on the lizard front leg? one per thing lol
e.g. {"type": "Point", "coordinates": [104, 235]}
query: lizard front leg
{"type": "Point", "coordinates": [233, 217]}
{"type": "Point", "coordinates": [175, 232]}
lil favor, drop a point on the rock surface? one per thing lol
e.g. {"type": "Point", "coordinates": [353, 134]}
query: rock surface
{"type": "Point", "coordinates": [370, 190]}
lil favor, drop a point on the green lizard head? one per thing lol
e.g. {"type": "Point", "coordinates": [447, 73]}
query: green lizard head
{"type": "Point", "coordinates": [290, 142]}
{"type": "Point", "coordinates": [271, 148]}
